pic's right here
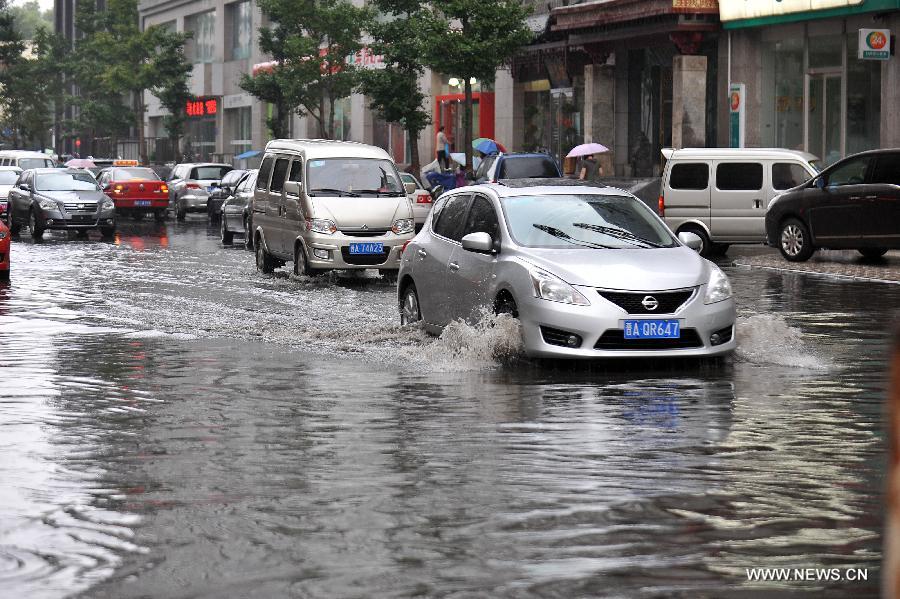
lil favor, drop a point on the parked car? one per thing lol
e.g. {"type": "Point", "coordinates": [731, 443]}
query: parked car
{"type": "Point", "coordinates": [516, 166]}
{"type": "Point", "coordinates": [190, 185]}
{"type": "Point", "coordinates": [329, 205]}
{"type": "Point", "coordinates": [588, 271]}
{"type": "Point", "coordinates": [8, 177]}
{"type": "Point", "coordinates": [25, 159]}
{"type": "Point", "coordinates": [721, 194]}
{"type": "Point", "coordinates": [853, 204]}
{"type": "Point", "coordinates": [226, 189]}
{"type": "Point", "coordinates": [135, 190]}
{"type": "Point", "coordinates": [102, 163]}
{"type": "Point", "coordinates": [419, 198]}
{"type": "Point", "coordinates": [5, 239]}
{"type": "Point", "coordinates": [67, 199]}
{"type": "Point", "coordinates": [236, 209]}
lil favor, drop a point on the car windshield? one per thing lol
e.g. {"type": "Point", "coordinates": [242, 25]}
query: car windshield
{"type": "Point", "coordinates": [134, 174]}
{"type": "Point", "coordinates": [353, 177]}
{"type": "Point", "coordinates": [209, 173]}
{"type": "Point", "coordinates": [8, 177]}
{"type": "Point", "coordinates": [26, 163]}
{"type": "Point", "coordinates": [65, 182]}
{"type": "Point", "coordinates": [590, 221]}
{"type": "Point", "coordinates": [528, 167]}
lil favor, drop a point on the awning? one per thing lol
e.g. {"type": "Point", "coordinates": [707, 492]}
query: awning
{"type": "Point", "coordinates": [247, 154]}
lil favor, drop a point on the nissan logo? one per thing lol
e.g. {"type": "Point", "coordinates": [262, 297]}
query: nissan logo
{"type": "Point", "coordinates": [365, 227]}
{"type": "Point", "coordinates": [650, 303]}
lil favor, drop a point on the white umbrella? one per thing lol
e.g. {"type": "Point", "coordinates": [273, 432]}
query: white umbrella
{"type": "Point", "coordinates": [587, 150]}
{"type": "Point", "coordinates": [460, 158]}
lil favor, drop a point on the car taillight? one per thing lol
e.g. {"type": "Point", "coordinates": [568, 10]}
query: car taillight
{"type": "Point", "coordinates": [163, 188]}
{"type": "Point", "coordinates": [192, 186]}
{"type": "Point", "coordinates": [423, 198]}
{"type": "Point", "coordinates": [661, 207]}
{"type": "Point", "coordinates": [119, 189]}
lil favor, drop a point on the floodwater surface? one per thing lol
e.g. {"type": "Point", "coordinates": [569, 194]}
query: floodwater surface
{"type": "Point", "coordinates": [176, 425]}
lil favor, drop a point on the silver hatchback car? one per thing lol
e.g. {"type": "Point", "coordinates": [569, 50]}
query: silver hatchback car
{"type": "Point", "coordinates": [588, 271]}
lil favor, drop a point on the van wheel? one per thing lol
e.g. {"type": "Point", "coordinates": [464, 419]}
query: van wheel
{"type": "Point", "coordinates": [248, 233]}
{"type": "Point", "coordinates": [37, 231]}
{"type": "Point", "coordinates": [410, 312]}
{"type": "Point", "coordinates": [301, 264]}
{"type": "Point", "coordinates": [720, 249]}
{"type": "Point", "coordinates": [159, 215]}
{"type": "Point", "coordinates": [872, 253]}
{"type": "Point", "coordinates": [227, 236]}
{"type": "Point", "coordinates": [706, 246]}
{"type": "Point", "coordinates": [265, 263]}
{"type": "Point", "coordinates": [794, 241]}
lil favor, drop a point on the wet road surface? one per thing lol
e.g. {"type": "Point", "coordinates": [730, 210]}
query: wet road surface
{"type": "Point", "coordinates": [176, 425]}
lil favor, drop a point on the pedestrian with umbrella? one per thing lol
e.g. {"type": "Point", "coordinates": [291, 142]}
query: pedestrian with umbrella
{"type": "Point", "coordinates": [590, 165]}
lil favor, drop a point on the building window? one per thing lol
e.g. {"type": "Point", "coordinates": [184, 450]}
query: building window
{"type": "Point", "coordinates": [241, 29]}
{"type": "Point", "coordinates": [782, 125]}
{"type": "Point", "coordinates": [342, 119]}
{"type": "Point", "coordinates": [863, 100]}
{"type": "Point", "coordinates": [202, 44]}
{"type": "Point", "coordinates": [239, 126]}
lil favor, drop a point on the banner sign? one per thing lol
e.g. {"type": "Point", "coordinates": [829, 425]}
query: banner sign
{"type": "Point", "coordinates": [734, 10]}
{"type": "Point", "coordinates": [874, 44]}
{"type": "Point", "coordinates": [737, 93]}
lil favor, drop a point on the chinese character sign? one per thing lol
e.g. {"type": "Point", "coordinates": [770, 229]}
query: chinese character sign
{"type": "Point", "coordinates": [202, 107]}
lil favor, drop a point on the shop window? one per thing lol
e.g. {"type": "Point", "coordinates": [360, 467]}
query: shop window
{"type": "Point", "coordinates": [863, 101]}
{"type": "Point", "coordinates": [782, 120]}
{"type": "Point", "coordinates": [743, 176]}
{"type": "Point", "coordinates": [241, 29]}
{"type": "Point", "coordinates": [689, 176]}
{"type": "Point", "coordinates": [826, 51]}
{"type": "Point", "coordinates": [786, 175]}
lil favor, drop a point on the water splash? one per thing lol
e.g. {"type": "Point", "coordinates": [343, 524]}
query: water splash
{"type": "Point", "coordinates": [769, 339]}
{"type": "Point", "coordinates": [491, 342]}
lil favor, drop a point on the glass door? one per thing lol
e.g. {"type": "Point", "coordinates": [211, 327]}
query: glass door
{"type": "Point", "coordinates": [825, 117]}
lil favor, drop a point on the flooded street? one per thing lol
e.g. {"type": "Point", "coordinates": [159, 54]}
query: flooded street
{"type": "Point", "coordinates": [176, 425]}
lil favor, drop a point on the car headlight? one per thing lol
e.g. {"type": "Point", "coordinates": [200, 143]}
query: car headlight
{"type": "Point", "coordinates": [718, 288]}
{"type": "Point", "coordinates": [3, 234]}
{"type": "Point", "coordinates": [554, 289]}
{"type": "Point", "coordinates": [48, 205]}
{"type": "Point", "coordinates": [107, 205]}
{"type": "Point", "coordinates": [321, 225]}
{"type": "Point", "coordinates": [403, 225]}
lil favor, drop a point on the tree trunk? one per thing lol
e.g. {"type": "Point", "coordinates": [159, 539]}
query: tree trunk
{"type": "Point", "coordinates": [322, 133]}
{"type": "Point", "coordinates": [467, 124]}
{"type": "Point", "coordinates": [330, 123]}
{"type": "Point", "coordinates": [142, 143]}
{"type": "Point", "coordinates": [414, 166]}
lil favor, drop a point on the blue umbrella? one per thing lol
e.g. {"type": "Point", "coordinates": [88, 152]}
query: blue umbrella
{"type": "Point", "coordinates": [247, 154]}
{"type": "Point", "coordinates": [488, 146]}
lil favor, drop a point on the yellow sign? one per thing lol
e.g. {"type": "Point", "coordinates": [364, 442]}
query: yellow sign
{"type": "Point", "coordinates": [735, 10]}
{"type": "Point", "coordinates": [695, 5]}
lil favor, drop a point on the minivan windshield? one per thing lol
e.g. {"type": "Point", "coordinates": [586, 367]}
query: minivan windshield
{"type": "Point", "coordinates": [583, 220]}
{"type": "Point", "coordinates": [353, 177]}
{"type": "Point", "coordinates": [65, 182]}
{"type": "Point", "coordinates": [26, 163]}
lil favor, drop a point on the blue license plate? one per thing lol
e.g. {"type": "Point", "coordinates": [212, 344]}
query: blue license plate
{"type": "Point", "coordinates": [652, 329]}
{"type": "Point", "coordinates": [366, 248]}
{"type": "Point", "coordinates": [212, 189]}
{"type": "Point", "coordinates": [142, 202]}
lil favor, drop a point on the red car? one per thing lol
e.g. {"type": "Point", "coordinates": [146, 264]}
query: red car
{"type": "Point", "coordinates": [135, 190]}
{"type": "Point", "coordinates": [4, 251]}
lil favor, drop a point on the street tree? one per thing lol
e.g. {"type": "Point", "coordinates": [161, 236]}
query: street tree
{"type": "Point", "coordinates": [471, 39]}
{"type": "Point", "coordinates": [11, 50]}
{"type": "Point", "coordinates": [394, 91]}
{"type": "Point", "coordinates": [30, 19]}
{"type": "Point", "coordinates": [309, 41]}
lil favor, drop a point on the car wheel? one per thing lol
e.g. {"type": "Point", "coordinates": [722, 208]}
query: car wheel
{"type": "Point", "coordinates": [265, 263]}
{"type": "Point", "coordinates": [180, 212]}
{"type": "Point", "coordinates": [107, 232]}
{"type": "Point", "coordinates": [706, 246]}
{"type": "Point", "coordinates": [410, 312]}
{"type": "Point", "coordinates": [248, 233]}
{"type": "Point", "coordinates": [227, 236]}
{"type": "Point", "coordinates": [160, 215]}
{"type": "Point", "coordinates": [794, 241]}
{"type": "Point", "coordinates": [872, 253]}
{"type": "Point", "coordinates": [301, 265]}
{"type": "Point", "coordinates": [4, 275]}
{"type": "Point", "coordinates": [720, 249]}
{"type": "Point", "coordinates": [389, 274]}
{"type": "Point", "coordinates": [505, 304]}
{"type": "Point", "coordinates": [14, 226]}
{"type": "Point", "coordinates": [138, 215]}
{"type": "Point", "coordinates": [37, 231]}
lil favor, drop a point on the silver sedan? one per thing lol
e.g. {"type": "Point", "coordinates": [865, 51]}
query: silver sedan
{"type": "Point", "coordinates": [588, 271]}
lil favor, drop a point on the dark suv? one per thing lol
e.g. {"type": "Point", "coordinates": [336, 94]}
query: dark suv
{"type": "Point", "coordinates": [853, 204]}
{"type": "Point", "coordinates": [516, 166]}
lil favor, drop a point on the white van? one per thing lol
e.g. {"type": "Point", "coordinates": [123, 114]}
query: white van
{"type": "Point", "coordinates": [721, 194]}
{"type": "Point", "coordinates": [25, 159]}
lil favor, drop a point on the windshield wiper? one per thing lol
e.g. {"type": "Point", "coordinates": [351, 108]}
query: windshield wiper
{"type": "Point", "coordinates": [617, 233]}
{"type": "Point", "coordinates": [378, 192]}
{"type": "Point", "coordinates": [566, 237]}
{"type": "Point", "coordinates": [339, 192]}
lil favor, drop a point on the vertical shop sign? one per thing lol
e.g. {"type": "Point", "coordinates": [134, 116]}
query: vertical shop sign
{"type": "Point", "coordinates": [736, 95]}
{"type": "Point", "coordinates": [874, 44]}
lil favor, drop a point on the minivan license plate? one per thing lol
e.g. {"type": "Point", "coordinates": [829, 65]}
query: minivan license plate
{"type": "Point", "coordinates": [366, 248]}
{"type": "Point", "coordinates": [652, 329]}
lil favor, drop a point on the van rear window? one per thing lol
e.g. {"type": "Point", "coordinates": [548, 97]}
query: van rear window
{"type": "Point", "coordinates": [739, 176]}
{"type": "Point", "coordinates": [689, 175]}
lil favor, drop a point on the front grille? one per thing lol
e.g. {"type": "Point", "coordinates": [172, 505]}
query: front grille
{"type": "Point", "coordinates": [80, 207]}
{"type": "Point", "coordinates": [669, 301]}
{"type": "Point", "coordinates": [615, 339]}
{"type": "Point", "coordinates": [364, 232]}
{"type": "Point", "coordinates": [364, 259]}
{"type": "Point", "coordinates": [557, 337]}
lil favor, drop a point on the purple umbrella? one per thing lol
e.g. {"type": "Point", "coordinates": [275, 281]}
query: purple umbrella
{"type": "Point", "coordinates": [81, 163]}
{"type": "Point", "coordinates": [587, 150]}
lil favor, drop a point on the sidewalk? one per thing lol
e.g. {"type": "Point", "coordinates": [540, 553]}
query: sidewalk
{"type": "Point", "coordinates": [836, 263]}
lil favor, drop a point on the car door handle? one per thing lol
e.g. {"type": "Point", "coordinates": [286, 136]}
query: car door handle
{"type": "Point", "coordinates": [871, 197]}
{"type": "Point", "coordinates": [453, 266]}
{"type": "Point", "coordinates": [422, 253]}
{"type": "Point", "coordinates": [856, 197]}
{"type": "Point", "coordinates": [757, 203]}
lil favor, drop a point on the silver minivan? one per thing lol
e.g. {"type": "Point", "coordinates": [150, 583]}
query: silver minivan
{"type": "Point", "coordinates": [329, 205]}
{"type": "Point", "coordinates": [721, 194]}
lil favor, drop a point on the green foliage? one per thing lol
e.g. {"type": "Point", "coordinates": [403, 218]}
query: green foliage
{"type": "Point", "coordinates": [29, 19]}
{"type": "Point", "coordinates": [309, 40]}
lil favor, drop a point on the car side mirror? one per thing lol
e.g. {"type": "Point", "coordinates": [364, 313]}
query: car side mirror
{"type": "Point", "coordinates": [436, 192]}
{"type": "Point", "coordinates": [692, 240]}
{"type": "Point", "coordinates": [820, 182]}
{"type": "Point", "coordinates": [409, 188]}
{"type": "Point", "coordinates": [293, 188]}
{"type": "Point", "coordinates": [24, 186]}
{"type": "Point", "coordinates": [478, 242]}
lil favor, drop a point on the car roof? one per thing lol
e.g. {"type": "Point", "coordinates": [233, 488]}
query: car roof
{"type": "Point", "coordinates": [524, 155]}
{"type": "Point", "coordinates": [17, 169]}
{"type": "Point", "coordinates": [24, 154]}
{"type": "Point", "coordinates": [722, 153]}
{"type": "Point", "coordinates": [194, 164]}
{"type": "Point", "coordinates": [327, 148]}
{"type": "Point", "coordinates": [508, 188]}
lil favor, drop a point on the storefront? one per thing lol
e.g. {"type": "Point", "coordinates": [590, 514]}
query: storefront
{"type": "Point", "coordinates": [200, 128]}
{"type": "Point", "coordinates": [809, 82]}
{"type": "Point", "coordinates": [449, 104]}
